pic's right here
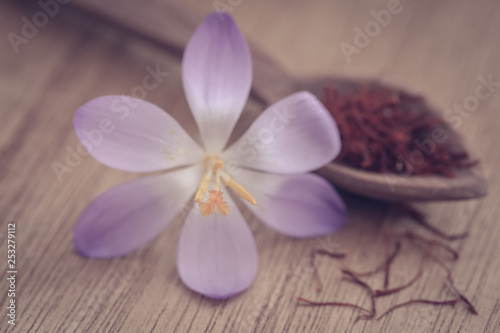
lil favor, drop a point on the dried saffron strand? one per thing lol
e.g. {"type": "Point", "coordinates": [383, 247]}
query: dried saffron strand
{"type": "Point", "coordinates": [314, 264]}
{"type": "Point", "coordinates": [420, 218]}
{"type": "Point", "coordinates": [449, 278]}
{"type": "Point", "coordinates": [356, 280]}
{"type": "Point", "coordinates": [389, 261]}
{"type": "Point", "coordinates": [471, 307]}
{"type": "Point", "coordinates": [374, 271]}
{"type": "Point", "coordinates": [431, 242]}
{"type": "Point", "coordinates": [381, 128]}
{"type": "Point", "coordinates": [451, 302]}
{"type": "Point", "coordinates": [386, 292]}
{"type": "Point", "coordinates": [383, 265]}
{"type": "Point", "coordinates": [340, 304]}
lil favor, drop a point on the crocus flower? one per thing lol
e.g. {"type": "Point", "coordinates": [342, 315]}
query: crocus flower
{"type": "Point", "coordinates": [266, 168]}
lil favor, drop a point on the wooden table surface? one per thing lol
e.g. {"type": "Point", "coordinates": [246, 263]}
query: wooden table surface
{"type": "Point", "coordinates": [436, 48]}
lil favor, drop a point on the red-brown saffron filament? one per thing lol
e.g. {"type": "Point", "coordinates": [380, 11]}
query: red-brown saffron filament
{"type": "Point", "coordinates": [371, 294]}
{"type": "Point", "coordinates": [420, 218]}
{"type": "Point", "coordinates": [355, 278]}
{"type": "Point", "coordinates": [374, 271]}
{"type": "Point", "coordinates": [451, 282]}
{"type": "Point", "coordinates": [386, 292]}
{"type": "Point", "coordinates": [340, 304]}
{"type": "Point", "coordinates": [314, 264]}
{"type": "Point", "coordinates": [451, 302]}
{"type": "Point", "coordinates": [383, 266]}
{"type": "Point", "coordinates": [431, 242]}
{"type": "Point", "coordinates": [389, 261]}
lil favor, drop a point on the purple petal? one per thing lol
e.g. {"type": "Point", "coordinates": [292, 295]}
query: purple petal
{"type": "Point", "coordinates": [296, 205]}
{"type": "Point", "coordinates": [217, 75]}
{"type": "Point", "coordinates": [133, 135]}
{"type": "Point", "coordinates": [294, 135]}
{"type": "Point", "coordinates": [131, 214]}
{"type": "Point", "coordinates": [217, 255]}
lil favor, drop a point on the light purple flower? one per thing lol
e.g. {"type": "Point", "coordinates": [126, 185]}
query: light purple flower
{"type": "Point", "coordinates": [266, 167]}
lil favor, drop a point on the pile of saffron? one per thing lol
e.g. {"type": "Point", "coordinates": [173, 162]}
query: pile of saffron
{"type": "Point", "coordinates": [390, 131]}
{"type": "Point", "coordinates": [429, 253]}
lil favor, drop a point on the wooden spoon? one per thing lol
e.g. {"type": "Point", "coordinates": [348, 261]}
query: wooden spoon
{"type": "Point", "coordinates": [170, 27]}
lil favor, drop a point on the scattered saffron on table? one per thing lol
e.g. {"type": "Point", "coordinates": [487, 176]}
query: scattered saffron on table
{"type": "Point", "coordinates": [389, 131]}
{"type": "Point", "coordinates": [397, 238]}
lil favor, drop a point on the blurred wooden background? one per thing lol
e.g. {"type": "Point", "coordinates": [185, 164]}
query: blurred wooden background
{"type": "Point", "coordinates": [436, 48]}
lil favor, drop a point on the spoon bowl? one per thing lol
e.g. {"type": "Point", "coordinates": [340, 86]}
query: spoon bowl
{"type": "Point", "coordinates": [467, 183]}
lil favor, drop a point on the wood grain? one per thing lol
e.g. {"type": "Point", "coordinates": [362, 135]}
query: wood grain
{"type": "Point", "coordinates": [435, 48]}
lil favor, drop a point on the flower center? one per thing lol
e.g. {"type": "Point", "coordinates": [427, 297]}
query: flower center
{"type": "Point", "coordinates": [215, 202]}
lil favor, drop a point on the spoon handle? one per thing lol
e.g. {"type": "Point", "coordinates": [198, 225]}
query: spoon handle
{"type": "Point", "coordinates": [159, 22]}
{"type": "Point", "coordinates": [170, 27]}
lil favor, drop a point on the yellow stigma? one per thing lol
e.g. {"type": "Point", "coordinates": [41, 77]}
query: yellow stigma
{"type": "Point", "coordinates": [215, 202]}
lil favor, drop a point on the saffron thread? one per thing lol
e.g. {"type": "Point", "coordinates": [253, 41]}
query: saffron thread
{"type": "Point", "coordinates": [421, 219]}
{"type": "Point", "coordinates": [386, 292]}
{"type": "Point", "coordinates": [451, 284]}
{"type": "Point", "coordinates": [451, 302]}
{"type": "Point", "coordinates": [339, 304]}
{"type": "Point", "coordinates": [314, 264]}
{"type": "Point", "coordinates": [430, 242]}
{"type": "Point", "coordinates": [389, 261]}
{"type": "Point", "coordinates": [353, 278]}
